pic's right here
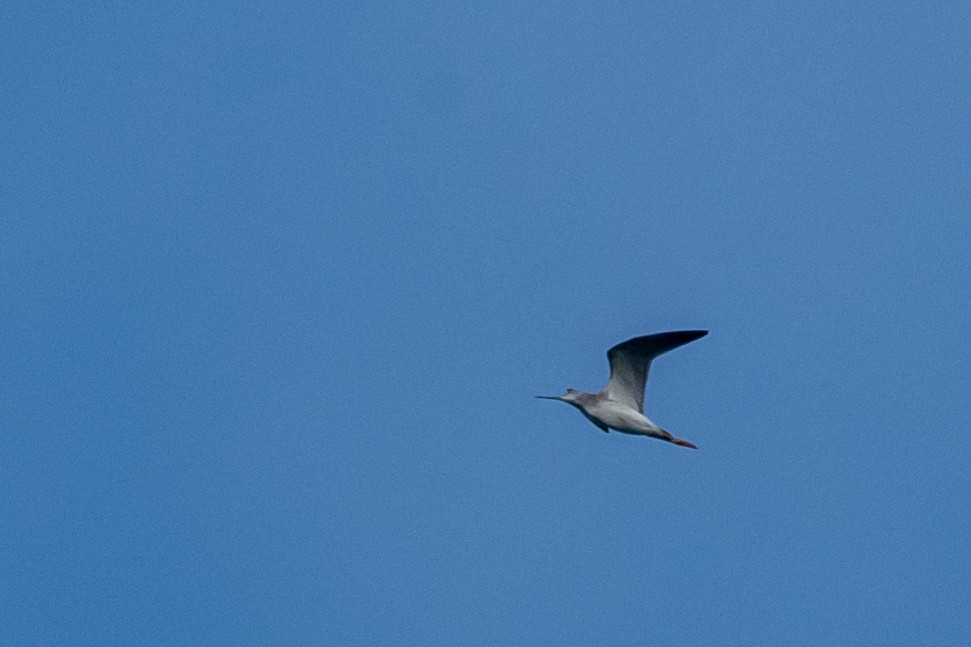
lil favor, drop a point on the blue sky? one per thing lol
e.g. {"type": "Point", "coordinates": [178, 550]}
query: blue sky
{"type": "Point", "coordinates": [278, 285]}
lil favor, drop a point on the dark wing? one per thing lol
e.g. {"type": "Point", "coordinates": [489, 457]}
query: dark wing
{"type": "Point", "coordinates": [631, 360]}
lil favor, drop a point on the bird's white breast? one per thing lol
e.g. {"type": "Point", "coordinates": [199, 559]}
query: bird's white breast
{"type": "Point", "coordinates": [621, 417]}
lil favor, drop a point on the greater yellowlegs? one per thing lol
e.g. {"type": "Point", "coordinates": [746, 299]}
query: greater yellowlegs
{"type": "Point", "coordinates": [620, 406]}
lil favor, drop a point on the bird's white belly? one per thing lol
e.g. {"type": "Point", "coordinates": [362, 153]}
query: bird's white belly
{"type": "Point", "coordinates": [621, 417]}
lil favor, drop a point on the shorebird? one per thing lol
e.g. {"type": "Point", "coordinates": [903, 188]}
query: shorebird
{"type": "Point", "coordinates": [620, 406]}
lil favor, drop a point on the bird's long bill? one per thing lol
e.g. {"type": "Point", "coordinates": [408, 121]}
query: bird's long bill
{"type": "Point", "coordinates": [548, 397]}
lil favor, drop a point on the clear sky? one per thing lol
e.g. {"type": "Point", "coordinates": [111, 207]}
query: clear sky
{"type": "Point", "coordinates": [278, 284]}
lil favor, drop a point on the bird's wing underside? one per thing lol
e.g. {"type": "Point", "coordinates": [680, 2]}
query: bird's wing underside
{"type": "Point", "coordinates": [631, 360]}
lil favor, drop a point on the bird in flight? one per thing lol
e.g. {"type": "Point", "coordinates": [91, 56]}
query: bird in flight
{"type": "Point", "coordinates": [620, 406]}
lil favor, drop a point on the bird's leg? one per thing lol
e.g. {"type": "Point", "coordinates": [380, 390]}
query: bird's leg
{"type": "Point", "coordinates": [668, 436]}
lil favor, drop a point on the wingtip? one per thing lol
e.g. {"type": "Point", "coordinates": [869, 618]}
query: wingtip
{"type": "Point", "coordinates": [692, 335]}
{"type": "Point", "coordinates": [683, 443]}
